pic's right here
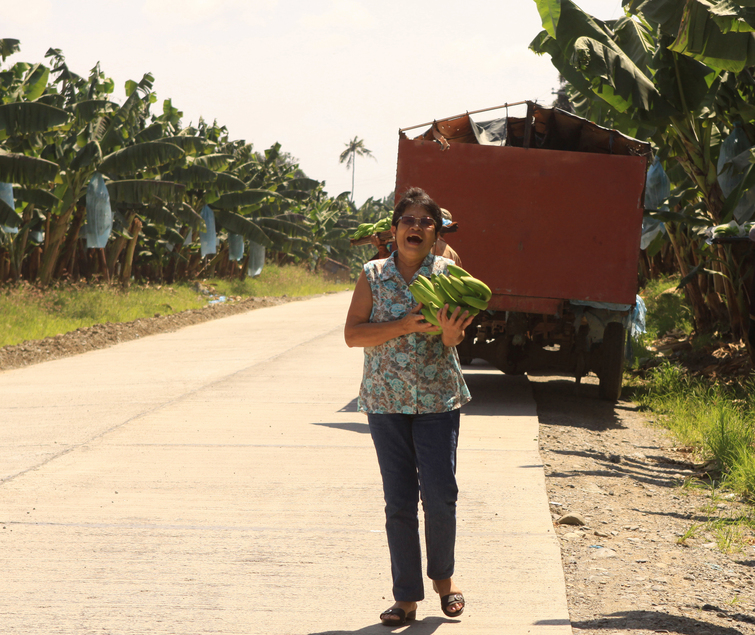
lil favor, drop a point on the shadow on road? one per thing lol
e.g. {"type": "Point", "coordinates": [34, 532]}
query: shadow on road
{"type": "Point", "coordinates": [362, 428]}
{"type": "Point", "coordinates": [418, 627]}
{"type": "Point", "coordinates": [493, 393]}
{"type": "Point", "coordinates": [655, 621]}
{"type": "Point", "coordinates": [563, 402]}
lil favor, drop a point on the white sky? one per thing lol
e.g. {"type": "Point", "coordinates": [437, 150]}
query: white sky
{"type": "Point", "coordinates": [310, 74]}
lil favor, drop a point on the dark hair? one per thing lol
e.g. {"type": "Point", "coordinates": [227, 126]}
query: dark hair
{"type": "Point", "coordinates": [418, 196]}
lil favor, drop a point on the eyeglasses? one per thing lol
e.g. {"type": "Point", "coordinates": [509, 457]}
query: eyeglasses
{"type": "Point", "coordinates": [425, 222]}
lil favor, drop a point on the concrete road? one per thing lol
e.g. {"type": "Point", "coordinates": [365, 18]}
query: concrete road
{"type": "Point", "coordinates": [219, 480]}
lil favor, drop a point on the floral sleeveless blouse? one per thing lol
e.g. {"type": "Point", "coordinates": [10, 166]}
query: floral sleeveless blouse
{"type": "Point", "coordinates": [414, 373]}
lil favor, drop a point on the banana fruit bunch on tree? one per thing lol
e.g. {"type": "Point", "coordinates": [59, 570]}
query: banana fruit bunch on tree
{"type": "Point", "coordinates": [458, 289]}
{"type": "Point", "coordinates": [367, 229]}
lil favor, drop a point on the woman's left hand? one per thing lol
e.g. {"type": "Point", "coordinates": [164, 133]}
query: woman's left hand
{"type": "Point", "coordinates": [453, 325]}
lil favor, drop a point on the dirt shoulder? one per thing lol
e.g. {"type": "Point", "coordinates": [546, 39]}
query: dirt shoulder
{"type": "Point", "coordinates": [648, 559]}
{"type": "Point", "coordinates": [108, 334]}
{"type": "Point", "coordinates": [626, 569]}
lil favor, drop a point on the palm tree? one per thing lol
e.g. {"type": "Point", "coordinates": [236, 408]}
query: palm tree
{"type": "Point", "coordinates": [354, 148]}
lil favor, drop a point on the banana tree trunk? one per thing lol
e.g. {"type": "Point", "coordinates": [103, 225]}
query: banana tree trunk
{"type": "Point", "coordinates": [56, 225]}
{"type": "Point", "coordinates": [116, 247]}
{"type": "Point", "coordinates": [700, 311]}
{"type": "Point", "coordinates": [103, 264]}
{"type": "Point", "coordinates": [134, 229]}
{"type": "Point", "coordinates": [65, 262]}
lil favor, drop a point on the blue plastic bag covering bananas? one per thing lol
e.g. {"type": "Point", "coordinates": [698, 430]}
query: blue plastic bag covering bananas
{"type": "Point", "coordinates": [208, 239]}
{"type": "Point", "coordinates": [6, 194]}
{"type": "Point", "coordinates": [99, 218]}
{"type": "Point", "coordinates": [235, 247]}
{"type": "Point", "coordinates": [256, 259]}
{"type": "Point", "coordinates": [657, 190]}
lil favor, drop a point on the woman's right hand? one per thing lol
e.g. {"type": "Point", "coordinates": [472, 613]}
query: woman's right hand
{"type": "Point", "coordinates": [414, 321]}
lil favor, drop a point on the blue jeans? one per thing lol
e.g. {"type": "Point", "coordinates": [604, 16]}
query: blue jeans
{"type": "Point", "coordinates": [417, 455]}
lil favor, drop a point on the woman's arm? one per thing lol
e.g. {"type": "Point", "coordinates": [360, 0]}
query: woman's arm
{"type": "Point", "coordinates": [359, 331]}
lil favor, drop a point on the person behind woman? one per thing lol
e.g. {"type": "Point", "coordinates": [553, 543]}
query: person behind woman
{"type": "Point", "coordinates": [412, 389]}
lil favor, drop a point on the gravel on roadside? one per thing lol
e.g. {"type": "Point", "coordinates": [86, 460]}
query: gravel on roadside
{"type": "Point", "coordinates": [648, 558]}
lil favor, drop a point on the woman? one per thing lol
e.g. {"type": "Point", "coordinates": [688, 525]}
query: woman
{"type": "Point", "coordinates": [412, 389]}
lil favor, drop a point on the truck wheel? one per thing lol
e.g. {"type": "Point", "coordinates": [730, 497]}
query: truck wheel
{"type": "Point", "coordinates": [612, 362]}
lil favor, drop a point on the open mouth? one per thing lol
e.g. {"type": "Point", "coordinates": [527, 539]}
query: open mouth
{"type": "Point", "coordinates": [414, 240]}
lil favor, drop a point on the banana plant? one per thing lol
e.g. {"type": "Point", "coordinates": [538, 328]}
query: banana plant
{"type": "Point", "coordinates": [638, 72]}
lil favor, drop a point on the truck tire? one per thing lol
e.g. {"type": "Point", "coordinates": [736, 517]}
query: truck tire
{"type": "Point", "coordinates": [612, 362]}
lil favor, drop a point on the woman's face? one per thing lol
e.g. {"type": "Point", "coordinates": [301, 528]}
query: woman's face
{"type": "Point", "coordinates": [417, 237]}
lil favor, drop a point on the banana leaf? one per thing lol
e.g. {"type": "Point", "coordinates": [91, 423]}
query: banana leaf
{"type": "Point", "coordinates": [186, 213]}
{"type": "Point", "coordinates": [138, 192]}
{"type": "Point", "coordinates": [234, 200]}
{"type": "Point", "coordinates": [243, 226]}
{"type": "Point", "coordinates": [151, 133]}
{"type": "Point", "coordinates": [667, 14]}
{"type": "Point", "coordinates": [303, 184]}
{"type": "Point", "coordinates": [550, 12]}
{"type": "Point", "coordinates": [194, 176]}
{"type": "Point", "coordinates": [93, 108]}
{"type": "Point", "coordinates": [29, 117]}
{"type": "Point", "coordinates": [701, 38]}
{"type": "Point", "coordinates": [216, 162]}
{"type": "Point", "coordinates": [622, 83]}
{"type": "Point", "coordinates": [8, 215]}
{"type": "Point", "coordinates": [18, 168]}
{"type": "Point", "coordinates": [160, 214]}
{"type": "Point", "coordinates": [9, 46]}
{"type": "Point", "coordinates": [36, 196]}
{"type": "Point", "coordinates": [285, 226]}
{"type": "Point", "coordinates": [140, 156]}
{"type": "Point", "coordinates": [296, 195]}
{"type": "Point", "coordinates": [112, 136]}
{"type": "Point", "coordinates": [734, 16]}
{"type": "Point", "coordinates": [668, 216]}
{"type": "Point", "coordinates": [229, 183]}
{"type": "Point", "coordinates": [173, 236]}
{"type": "Point", "coordinates": [89, 154]}
{"type": "Point", "coordinates": [35, 82]}
{"type": "Point", "coordinates": [190, 145]}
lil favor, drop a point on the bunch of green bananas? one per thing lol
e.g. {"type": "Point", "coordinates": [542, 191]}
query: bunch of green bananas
{"type": "Point", "coordinates": [459, 289]}
{"type": "Point", "coordinates": [367, 229]}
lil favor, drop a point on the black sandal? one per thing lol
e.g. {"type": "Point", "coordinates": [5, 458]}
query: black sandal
{"type": "Point", "coordinates": [448, 600]}
{"type": "Point", "coordinates": [403, 617]}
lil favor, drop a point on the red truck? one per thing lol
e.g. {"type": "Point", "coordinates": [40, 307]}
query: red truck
{"type": "Point", "coordinates": [549, 212]}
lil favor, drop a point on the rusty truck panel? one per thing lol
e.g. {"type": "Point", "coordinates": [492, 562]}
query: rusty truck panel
{"type": "Point", "coordinates": [538, 226]}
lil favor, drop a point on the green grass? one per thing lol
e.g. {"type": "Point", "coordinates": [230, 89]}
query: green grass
{"type": "Point", "coordinates": [287, 280]}
{"type": "Point", "coordinates": [667, 309]}
{"type": "Point", "coordinates": [718, 420]}
{"type": "Point", "coordinates": [713, 417]}
{"type": "Point", "coordinates": [667, 312]}
{"type": "Point", "coordinates": [30, 313]}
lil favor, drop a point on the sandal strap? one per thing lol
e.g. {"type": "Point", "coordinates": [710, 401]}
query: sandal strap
{"type": "Point", "coordinates": [452, 598]}
{"type": "Point", "coordinates": [396, 611]}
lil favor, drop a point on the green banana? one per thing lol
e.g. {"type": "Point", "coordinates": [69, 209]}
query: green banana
{"type": "Point", "coordinates": [443, 295]}
{"type": "Point", "coordinates": [363, 230]}
{"type": "Point", "coordinates": [382, 225]}
{"type": "Point", "coordinates": [461, 288]}
{"type": "Point", "coordinates": [447, 286]}
{"type": "Point", "coordinates": [426, 283]}
{"type": "Point", "coordinates": [424, 295]}
{"type": "Point", "coordinates": [478, 287]}
{"type": "Point", "coordinates": [475, 302]}
{"type": "Point", "coordinates": [429, 315]}
{"type": "Point", "coordinates": [456, 270]}
{"type": "Point", "coordinates": [420, 294]}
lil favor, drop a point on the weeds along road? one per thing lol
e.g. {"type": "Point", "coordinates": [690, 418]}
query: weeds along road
{"type": "Point", "coordinates": [218, 479]}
